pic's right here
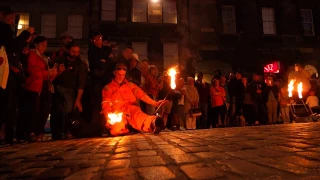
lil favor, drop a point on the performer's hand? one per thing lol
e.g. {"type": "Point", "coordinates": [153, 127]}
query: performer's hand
{"type": "Point", "coordinates": [158, 103]}
{"type": "Point", "coordinates": [106, 108]}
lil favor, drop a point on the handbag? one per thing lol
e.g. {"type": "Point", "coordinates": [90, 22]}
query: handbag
{"type": "Point", "coordinates": [195, 112]}
{"type": "Point", "coordinates": [4, 68]}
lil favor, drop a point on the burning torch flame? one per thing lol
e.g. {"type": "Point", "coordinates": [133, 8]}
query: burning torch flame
{"type": "Point", "coordinates": [114, 118]}
{"type": "Point", "coordinates": [300, 90]}
{"type": "Point", "coordinates": [290, 88]}
{"type": "Point", "coordinates": [172, 73]}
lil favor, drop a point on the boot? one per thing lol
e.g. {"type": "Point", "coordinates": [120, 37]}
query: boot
{"type": "Point", "coordinates": [157, 125]}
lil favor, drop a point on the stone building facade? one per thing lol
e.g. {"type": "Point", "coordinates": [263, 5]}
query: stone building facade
{"type": "Point", "coordinates": [249, 34]}
{"type": "Point", "coordinates": [52, 18]}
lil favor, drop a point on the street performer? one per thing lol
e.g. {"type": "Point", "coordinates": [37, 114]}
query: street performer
{"type": "Point", "coordinates": [120, 96]}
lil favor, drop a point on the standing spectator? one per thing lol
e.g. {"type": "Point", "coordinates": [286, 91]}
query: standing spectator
{"type": "Point", "coordinates": [65, 39]}
{"type": "Point", "coordinates": [13, 47]}
{"type": "Point", "coordinates": [284, 105]}
{"type": "Point", "coordinates": [218, 95]}
{"type": "Point", "coordinates": [204, 94]}
{"type": "Point", "coordinates": [125, 56]}
{"type": "Point", "coordinates": [38, 90]}
{"type": "Point", "coordinates": [101, 68]}
{"type": "Point", "coordinates": [134, 73]}
{"type": "Point", "coordinates": [271, 97]}
{"type": "Point", "coordinates": [152, 88]}
{"type": "Point", "coordinates": [191, 102]}
{"type": "Point", "coordinates": [224, 84]}
{"type": "Point", "coordinates": [144, 68]}
{"type": "Point", "coordinates": [165, 93]}
{"type": "Point", "coordinates": [248, 105]}
{"type": "Point", "coordinates": [259, 88]}
{"type": "Point", "coordinates": [182, 89]}
{"type": "Point", "coordinates": [70, 83]}
{"type": "Point", "coordinates": [235, 88]}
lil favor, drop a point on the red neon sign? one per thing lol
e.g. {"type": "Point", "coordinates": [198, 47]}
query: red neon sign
{"type": "Point", "coordinates": [272, 68]}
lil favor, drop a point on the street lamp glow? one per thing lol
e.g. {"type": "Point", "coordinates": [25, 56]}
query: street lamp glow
{"type": "Point", "coordinates": [19, 26]}
{"type": "Point", "coordinates": [154, 1]}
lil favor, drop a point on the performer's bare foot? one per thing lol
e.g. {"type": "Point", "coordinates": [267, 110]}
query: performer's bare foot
{"type": "Point", "coordinates": [158, 125]}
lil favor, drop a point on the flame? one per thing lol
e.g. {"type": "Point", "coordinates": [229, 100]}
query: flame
{"type": "Point", "coordinates": [114, 118]}
{"type": "Point", "coordinates": [290, 88]}
{"type": "Point", "coordinates": [172, 73]}
{"type": "Point", "coordinates": [300, 89]}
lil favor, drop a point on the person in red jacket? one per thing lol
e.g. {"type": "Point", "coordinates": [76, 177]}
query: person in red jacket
{"type": "Point", "coordinates": [120, 96]}
{"type": "Point", "coordinates": [38, 89]}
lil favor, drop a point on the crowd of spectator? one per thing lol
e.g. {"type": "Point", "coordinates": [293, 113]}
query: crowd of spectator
{"type": "Point", "coordinates": [68, 87]}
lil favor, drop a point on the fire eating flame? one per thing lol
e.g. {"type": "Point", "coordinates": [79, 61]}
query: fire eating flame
{"type": "Point", "coordinates": [290, 88]}
{"type": "Point", "coordinates": [172, 73]}
{"type": "Point", "coordinates": [300, 89]}
{"type": "Point", "coordinates": [114, 118]}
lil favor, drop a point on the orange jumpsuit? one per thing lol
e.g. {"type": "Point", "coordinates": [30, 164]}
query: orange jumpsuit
{"type": "Point", "coordinates": [121, 98]}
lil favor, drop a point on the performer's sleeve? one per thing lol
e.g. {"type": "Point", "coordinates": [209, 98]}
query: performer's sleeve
{"type": "Point", "coordinates": [138, 93]}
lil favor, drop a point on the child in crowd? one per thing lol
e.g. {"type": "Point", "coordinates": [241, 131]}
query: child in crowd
{"type": "Point", "coordinates": [312, 100]}
{"type": "Point", "coordinates": [284, 105]}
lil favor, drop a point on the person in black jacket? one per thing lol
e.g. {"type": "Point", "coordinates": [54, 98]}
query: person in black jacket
{"type": "Point", "coordinates": [13, 46]}
{"type": "Point", "coordinates": [101, 67]}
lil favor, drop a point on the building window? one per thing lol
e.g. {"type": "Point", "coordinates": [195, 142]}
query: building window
{"type": "Point", "coordinates": [268, 19]}
{"type": "Point", "coordinates": [169, 12]}
{"type": "Point", "coordinates": [228, 19]}
{"type": "Point", "coordinates": [108, 10]}
{"type": "Point", "coordinates": [139, 11]}
{"type": "Point", "coordinates": [75, 26]}
{"type": "Point", "coordinates": [170, 54]}
{"type": "Point", "coordinates": [155, 11]}
{"type": "Point", "coordinates": [307, 22]}
{"type": "Point", "coordinates": [141, 48]}
{"type": "Point", "coordinates": [23, 22]}
{"type": "Point", "coordinates": [48, 25]}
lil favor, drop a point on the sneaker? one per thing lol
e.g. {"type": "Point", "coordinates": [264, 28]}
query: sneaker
{"type": "Point", "coordinates": [158, 125]}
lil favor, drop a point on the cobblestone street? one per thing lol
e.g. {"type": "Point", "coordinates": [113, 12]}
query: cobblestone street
{"type": "Point", "coordinates": [289, 151]}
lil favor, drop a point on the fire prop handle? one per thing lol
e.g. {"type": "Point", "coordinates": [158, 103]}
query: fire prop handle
{"type": "Point", "coordinates": [158, 108]}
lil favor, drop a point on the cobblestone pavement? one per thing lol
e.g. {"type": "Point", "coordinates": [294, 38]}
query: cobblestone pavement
{"type": "Point", "coordinates": [289, 151]}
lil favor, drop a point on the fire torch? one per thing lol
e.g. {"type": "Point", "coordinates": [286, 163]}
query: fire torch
{"type": "Point", "coordinates": [172, 73]}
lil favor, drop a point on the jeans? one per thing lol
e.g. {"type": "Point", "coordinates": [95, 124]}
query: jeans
{"type": "Point", "coordinates": [68, 96]}
{"type": "Point", "coordinates": [285, 114]}
{"type": "Point", "coordinates": [272, 111]}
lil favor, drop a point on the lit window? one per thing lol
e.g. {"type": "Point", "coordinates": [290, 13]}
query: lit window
{"type": "Point", "coordinates": [141, 48]}
{"type": "Point", "coordinates": [155, 12]}
{"type": "Point", "coordinates": [170, 55]}
{"type": "Point", "coordinates": [169, 12]}
{"type": "Point", "coordinates": [307, 22]}
{"type": "Point", "coordinates": [23, 23]}
{"type": "Point", "coordinates": [48, 25]}
{"type": "Point", "coordinates": [228, 19]}
{"type": "Point", "coordinates": [75, 26]}
{"type": "Point", "coordinates": [139, 11]}
{"type": "Point", "coordinates": [108, 10]}
{"type": "Point", "coordinates": [268, 19]}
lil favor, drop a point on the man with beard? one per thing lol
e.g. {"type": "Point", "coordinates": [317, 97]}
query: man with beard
{"type": "Point", "coordinates": [69, 83]}
{"type": "Point", "coordinates": [65, 39]}
{"type": "Point", "coordinates": [101, 74]}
